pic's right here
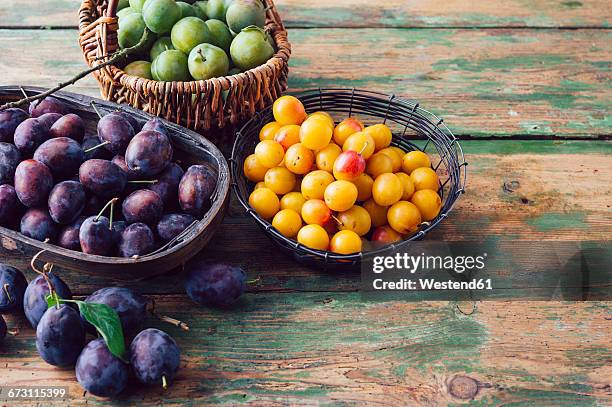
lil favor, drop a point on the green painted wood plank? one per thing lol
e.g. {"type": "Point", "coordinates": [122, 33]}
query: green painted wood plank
{"type": "Point", "coordinates": [484, 83]}
{"type": "Point", "coordinates": [326, 349]}
{"type": "Point", "coordinates": [364, 13]}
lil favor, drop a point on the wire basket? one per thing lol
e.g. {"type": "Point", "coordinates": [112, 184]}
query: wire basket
{"type": "Point", "coordinates": [413, 129]}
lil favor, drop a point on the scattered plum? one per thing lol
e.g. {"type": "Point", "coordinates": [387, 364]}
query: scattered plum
{"type": "Point", "coordinates": [62, 155]}
{"type": "Point", "coordinates": [33, 182]}
{"type": "Point", "coordinates": [70, 125]}
{"type": "Point", "coordinates": [196, 188]}
{"type": "Point", "coordinates": [9, 160]}
{"type": "Point", "coordinates": [96, 236]}
{"type": "Point", "coordinates": [167, 184]}
{"type": "Point", "coordinates": [155, 357]}
{"type": "Point", "coordinates": [9, 120]}
{"type": "Point", "coordinates": [66, 201]}
{"type": "Point", "coordinates": [99, 372]}
{"type": "Point", "coordinates": [173, 224]}
{"type": "Point", "coordinates": [10, 206]}
{"type": "Point", "coordinates": [34, 299]}
{"type": "Point", "coordinates": [143, 206]}
{"type": "Point", "coordinates": [129, 305]}
{"type": "Point", "coordinates": [115, 129]}
{"type": "Point", "coordinates": [12, 287]}
{"type": "Point", "coordinates": [214, 284]}
{"type": "Point", "coordinates": [102, 178]}
{"type": "Point", "coordinates": [29, 135]}
{"type": "Point", "coordinates": [49, 119]}
{"type": "Point", "coordinates": [136, 240]}
{"type": "Point", "coordinates": [49, 104]}
{"type": "Point", "coordinates": [149, 153]}
{"type": "Point", "coordinates": [37, 224]}
{"type": "Point", "coordinates": [69, 236]}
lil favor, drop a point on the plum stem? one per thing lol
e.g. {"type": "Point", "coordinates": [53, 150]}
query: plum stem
{"type": "Point", "coordinates": [201, 55]}
{"type": "Point", "coordinates": [111, 202]}
{"type": "Point", "coordinates": [117, 56]}
{"type": "Point", "coordinates": [166, 318]}
{"type": "Point", "coordinates": [254, 281]}
{"type": "Point", "coordinates": [365, 145]}
{"type": "Point", "coordinates": [96, 146]}
{"type": "Point", "coordinates": [93, 105]}
{"type": "Point", "coordinates": [47, 268]}
{"type": "Point", "coordinates": [8, 295]}
{"type": "Point", "coordinates": [110, 217]}
{"type": "Point", "coordinates": [151, 181]}
{"type": "Point", "coordinates": [338, 221]}
{"type": "Point", "coordinates": [164, 382]}
{"type": "Point", "coordinates": [23, 92]}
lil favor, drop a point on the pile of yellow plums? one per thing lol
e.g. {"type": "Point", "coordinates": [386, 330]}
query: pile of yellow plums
{"type": "Point", "coordinates": [328, 185]}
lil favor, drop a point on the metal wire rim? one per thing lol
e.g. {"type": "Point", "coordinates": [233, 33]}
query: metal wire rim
{"type": "Point", "coordinates": [410, 124]}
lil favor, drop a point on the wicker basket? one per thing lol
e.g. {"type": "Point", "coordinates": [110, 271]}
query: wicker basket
{"type": "Point", "coordinates": [248, 92]}
{"type": "Point", "coordinates": [413, 129]}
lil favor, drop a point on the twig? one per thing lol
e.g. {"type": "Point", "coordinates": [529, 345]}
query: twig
{"type": "Point", "coordinates": [126, 52]}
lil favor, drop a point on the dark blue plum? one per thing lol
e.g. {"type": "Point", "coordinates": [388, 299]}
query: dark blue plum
{"type": "Point", "coordinates": [102, 178]}
{"type": "Point", "coordinates": [9, 120]}
{"type": "Point", "coordinates": [10, 207]}
{"type": "Point", "coordinates": [136, 240]}
{"type": "Point", "coordinates": [143, 206]}
{"type": "Point", "coordinates": [155, 357]}
{"type": "Point", "coordinates": [96, 236]}
{"type": "Point", "coordinates": [173, 224]}
{"type": "Point", "coordinates": [10, 158]}
{"type": "Point", "coordinates": [3, 329]}
{"type": "Point", "coordinates": [167, 184]}
{"type": "Point", "coordinates": [66, 202]}
{"type": "Point", "coordinates": [12, 287]}
{"type": "Point", "coordinates": [118, 228]}
{"type": "Point", "coordinates": [129, 305]}
{"type": "Point", "coordinates": [214, 284]}
{"type": "Point", "coordinates": [99, 372]}
{"type": "Point", "coordinates": [155, 124]}
{"type": "Point", "coordinates": [33, 182]}
{"type": "Point", "coordinates": [117, 131]}
{"type": "Point", "coordinates": [49, 119]}
{"type": "Point", "coordinates": [119, 160]}
{"type": "Point", "coordinates": [60, 336]}
{"type": "Point", "coordinates": [49, 104]}
{"type": "Point", "coordinates": [34, 299]}
{"type": "Point", "coordinates": [69, 236]}
{"type": "Point", "coordinates": [135, 124]}
{"type": "Point", "coordinates": [70, 125]}
{"type": "Point", "coordinates": [62, 155]}
{"type": "Point", "coordinates": [195, 189]}
{"type": "Point", "coordinates": [149, 153]}
{"type": "Point", "coordinates": [37, 224]}
{"type": "Point", "coordinates": [30, 134]}
{"type": "Point", "coordinates": [100, 153]}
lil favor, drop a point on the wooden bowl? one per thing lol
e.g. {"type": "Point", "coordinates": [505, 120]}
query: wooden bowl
{"type": "Point", "coordinates": [189, 148]}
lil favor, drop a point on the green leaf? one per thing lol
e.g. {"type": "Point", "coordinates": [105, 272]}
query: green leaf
{"type": "Point", "coordinates": [107, 322]}
{"type": "Point", "coordinates": [51, 301]}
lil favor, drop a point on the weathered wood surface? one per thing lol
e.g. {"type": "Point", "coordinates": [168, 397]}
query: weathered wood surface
{"type": "Point", "coordinates": [528, 83]}
{"type": "Point", "coordinates": [334, 348]}
{"type": "Point", "coordinates": [366, 13]}
{"type": "Point", "coordinates": [539, 206]}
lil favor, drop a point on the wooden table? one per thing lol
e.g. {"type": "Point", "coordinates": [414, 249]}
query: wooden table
{"type": "Point", "coordinates": [525, 84]}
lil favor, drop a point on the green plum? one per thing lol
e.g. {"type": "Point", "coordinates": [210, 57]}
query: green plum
{"type": "Point", "coordinates": [188, 33]}
{"type": "Point", "coordinates": [217, 8]}
{"type": "Point", "coordinates": [170, 66]}
{"type": "Point", "coordinates": [139, 68]}
{"type": "Point", "coordinates": [123, 4]}
{"type": "Point", "coordinates": [186, 9]}
{"type": "Point", "coordinates": [207, 61]}
{"type": "Point", "coordinates": [200, 9]}
{"type": "Point", "coordinates": [244, 13]}
{"type": "Point", "coordinates": [161, 45]}
{"type": "Point", "coordinates": [220, 34]}
{"type": "Point", "coordinates": [251, 48]}
{"type": "Point", "coordinates": [161, 15]}
{"type": "Point", "coordinates": [124, 12]}
{"type": "Point", "coordinates": [137, 5]}
{"type": "Point", "coordinates": [131, 29]}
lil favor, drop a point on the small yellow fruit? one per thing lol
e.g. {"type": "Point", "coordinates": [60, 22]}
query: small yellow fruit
{"type": "Point", "coordinates": [314, 237]}
{"type": "Point", "coordinates": [345, 242]}
{"type": "Point", "coordinates": [413, 160]}
{"type": "Point", "coordinates": [407, 185]}
{"type": "Point", "coordinates": [340, 195]}
{"type": "Point", "coordinates": [381, 135]}
{"type": "Point", "coordinates": [387, 189]}
{"type": "Point", "coordinates": [424, 178]}
{"type": "Point", "coordinates": [404, 217]}
{"type": "Point", "coordinates": [428, 202]}
{"type": "Point", "coordinates": [379, 164]}
{"type": "Point", "coordinates": [253, 169]}
{"type": "Point", "coordinates": [293, 200]}
{"type": "Point", "coordinates": [280, 180]}
{"type": "Point", "coordinates": [288, 222]}
{"type": "Point", "coordinates": [268, 131]}
{"type": "Point", "coordinates": [265, 202]}
{"type": "Point", "coordinates": [314, 184]}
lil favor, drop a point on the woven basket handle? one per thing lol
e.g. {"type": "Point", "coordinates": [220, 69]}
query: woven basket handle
{"type": "Point", "coordinates": [111, 10]}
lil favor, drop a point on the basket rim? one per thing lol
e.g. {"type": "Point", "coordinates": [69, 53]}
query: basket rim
{"type": "Point", "coordinates": [273, 26]}
{"type": "Point", "coordinates": [326, 255]}
{"type": "Point", "coordinates": [218, 201]}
